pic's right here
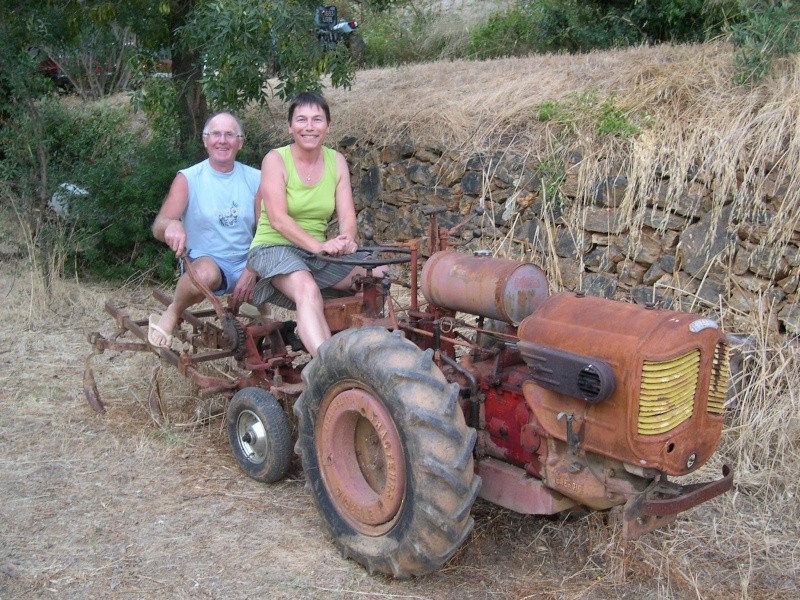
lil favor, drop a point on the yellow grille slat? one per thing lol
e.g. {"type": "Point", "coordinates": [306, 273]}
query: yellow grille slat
{"type": "Point", "coordinates": [682, 361]}
{"type": "Point", "coordinates": [672, 388]}
{"type": "Point", "coordinates": [720, 376]}
{"type": "Point", "coordinates": [667, 392]}
{"type": "Point", "coordinates": [648, 426]}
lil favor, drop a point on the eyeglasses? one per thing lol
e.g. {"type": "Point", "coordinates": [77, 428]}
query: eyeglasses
{"type": "Point", "coordinates": [218, 135]}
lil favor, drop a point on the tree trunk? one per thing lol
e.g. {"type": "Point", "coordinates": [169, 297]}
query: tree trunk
{"type": "Point", "coordinates": [186, 73]}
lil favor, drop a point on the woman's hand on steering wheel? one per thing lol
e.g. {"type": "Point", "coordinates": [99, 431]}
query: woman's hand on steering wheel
{"type": "Point", "coordinates": [341, 245]}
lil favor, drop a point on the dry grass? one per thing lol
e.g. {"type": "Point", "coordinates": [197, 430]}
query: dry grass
{"type": "Point", "coordinates": [119, 507]}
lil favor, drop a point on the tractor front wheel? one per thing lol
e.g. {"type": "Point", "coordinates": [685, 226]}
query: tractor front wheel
{"type": "Point", "coordinates": [386, 452]}
{"type": "Point", "coordinates": [260, 434]}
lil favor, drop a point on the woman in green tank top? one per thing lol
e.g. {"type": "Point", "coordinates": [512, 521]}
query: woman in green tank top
{"type": "Point", "coordinates": [302, 184]}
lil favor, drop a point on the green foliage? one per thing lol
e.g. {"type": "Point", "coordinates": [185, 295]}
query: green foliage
{"type": "Point", "coordinates": [242, 41]}
{"type": "Point", "coordinates": [552, 110]}
{"type": "Point", "coordinates": [126, 176]}
{"type": "Point", "coordinates": [606, 118]}
{"type": "Point", "coordinates": [157, 98]}
{"type": "Point", "coordinates": [520, 28]}
{"type": "Point", "coordinates": [674, 20]}
{"type": "Point", "coordinates": [20, 78]}
{"type": "Point", "coordinates": [613, 121]}
{"type": "Point", "coordinates": [551, 173]}
{"type": "Point", "coordinates": [509, 33]}
{"type": "Point", "coordinates": [391, 39]}
{"type": "Point", "coordinates": [762, 33]}
{"type": "Point", "coordinates": [549, 26]}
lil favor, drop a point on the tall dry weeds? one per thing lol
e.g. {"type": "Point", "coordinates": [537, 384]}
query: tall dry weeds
{"type": "Point", "coordinates": [45, 247]}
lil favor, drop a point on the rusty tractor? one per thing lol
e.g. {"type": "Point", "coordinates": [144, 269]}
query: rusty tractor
{"type": "Point", "coordinates": [484, 385]}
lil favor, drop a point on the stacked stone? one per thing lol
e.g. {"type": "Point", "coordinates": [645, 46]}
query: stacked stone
{"type": "Point", "coordinates": [707, 252]}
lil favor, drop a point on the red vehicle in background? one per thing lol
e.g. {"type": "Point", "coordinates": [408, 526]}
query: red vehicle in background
{"type": "Point", "coordinates": [50, 68]}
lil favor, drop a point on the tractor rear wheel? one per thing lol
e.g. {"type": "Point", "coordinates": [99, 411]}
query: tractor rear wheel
{"type": "Point", "coordinates": [386, 452]}
{"type": "Point", "coordinates": [260, 434]}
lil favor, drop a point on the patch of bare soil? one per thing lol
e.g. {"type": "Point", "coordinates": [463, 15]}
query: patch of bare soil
{"type": "Point", "coordinates": [115, 506]}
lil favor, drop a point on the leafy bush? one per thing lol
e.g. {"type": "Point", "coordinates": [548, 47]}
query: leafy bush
{"type": "Point", "coordinates": [762, 33]}
{"type": "Point", "coordinates": [675, 20]}
{"type": "Point", "coordinates": [551, 26]}
{"type": "Point", "coordinates": [391, 39]}
{"type": "Point", "coordinates": [126, 175]}
{"type": "Point", "coordinates": [509, 33]}
{"type": "Point", "coordinates": [401, 35]}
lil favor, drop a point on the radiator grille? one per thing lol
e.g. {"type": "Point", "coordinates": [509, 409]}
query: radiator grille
{"type": "Point", "coordinates": [666, 396]}
{"type": "Point", "coordinates": [720, 376]}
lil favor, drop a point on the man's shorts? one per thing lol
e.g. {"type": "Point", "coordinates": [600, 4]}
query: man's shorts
{"type": "Point", "coordinates": [231, 271]}
{"type": "Point", "coordinates": [271, 260]}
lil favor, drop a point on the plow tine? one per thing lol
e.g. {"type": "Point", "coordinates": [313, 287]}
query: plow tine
{"type": "Point", "coordinates": [90, 387]}
{"type": "Point", "coordinates": [154, 397]}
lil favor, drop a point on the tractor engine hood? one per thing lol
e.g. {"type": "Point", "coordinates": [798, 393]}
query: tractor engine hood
{"type": "Point", "coordinates": [642, 385]}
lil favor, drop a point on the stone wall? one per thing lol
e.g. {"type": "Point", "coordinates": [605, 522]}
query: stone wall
{"type": "Point", "coordinates": [698, 253]}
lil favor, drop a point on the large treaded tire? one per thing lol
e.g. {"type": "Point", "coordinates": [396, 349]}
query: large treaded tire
{"type": "Point", "coordinates": [260, 434]}
{"type": "Point", "coordinates": [386, 452]}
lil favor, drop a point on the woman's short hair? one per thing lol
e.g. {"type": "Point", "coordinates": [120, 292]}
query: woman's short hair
{"type": "Point", "coordinates": [310, 99]}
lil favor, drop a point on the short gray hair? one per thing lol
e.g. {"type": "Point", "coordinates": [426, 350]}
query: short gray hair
{"type": "Point", "coordinates": [224, 112]}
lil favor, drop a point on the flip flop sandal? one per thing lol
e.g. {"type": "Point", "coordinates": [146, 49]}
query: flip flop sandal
{"type": "Point", "coordinates": [154, 327]}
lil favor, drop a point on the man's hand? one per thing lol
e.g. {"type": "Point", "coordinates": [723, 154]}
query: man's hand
{"type": "Point", "coordinates": [244, 287]}
{"type": "Point", "coordinates": [175, 236]}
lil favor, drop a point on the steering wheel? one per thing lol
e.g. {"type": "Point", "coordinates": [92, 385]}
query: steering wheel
{"type": "Point", "coordinates": [376, 256]}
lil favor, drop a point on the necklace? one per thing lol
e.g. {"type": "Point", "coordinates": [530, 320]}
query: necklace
{"type": "Point", "coordinates": [310, 172]}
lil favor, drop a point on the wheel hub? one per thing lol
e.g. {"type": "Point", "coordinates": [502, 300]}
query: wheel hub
{"type": "Point", "coordinates": [362, 461]}
{"type": "Point", "coordinates": [252, 436]}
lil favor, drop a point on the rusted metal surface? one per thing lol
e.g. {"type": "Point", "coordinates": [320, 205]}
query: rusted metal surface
{"type": "Point", "coordinates": [361, 459]}
{"type": "Point", "coordinates": [625, 336]}
{"type": "Point", "coordinates": [209, 294]}
{"type": "Point", "coordinates": [689, 496]}
{"type": "Point", "coordinates": [340, 311]}
{"type": "Point", "coordinates": [652, 510]}
{"type": "Point", "coordinates": [154, 396]}
{"type": "Point", "coordinates": [490, 287]}
{"type": "Point", "coordinates": [592, 480]}
{"type": "Point", "coordinates": [513, 488]}
{"type": "Point", "coordinates": [90, 387]}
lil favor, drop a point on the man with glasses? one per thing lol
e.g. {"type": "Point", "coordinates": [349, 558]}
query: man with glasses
{"type": "Point", "coordinates": [209, 213]}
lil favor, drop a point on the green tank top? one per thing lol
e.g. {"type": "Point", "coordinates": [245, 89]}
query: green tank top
{"type": "Point", "coordinates": [311, 206]}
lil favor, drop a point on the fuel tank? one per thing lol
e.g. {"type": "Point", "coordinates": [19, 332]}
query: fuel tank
{"type": "Point", "coordinates": [665, 374]}
{"type": "Point", "coordinates": [496, 288]}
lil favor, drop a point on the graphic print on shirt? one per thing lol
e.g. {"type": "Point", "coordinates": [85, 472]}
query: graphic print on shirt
{"type": "Point", "coordinates": [230, 217]}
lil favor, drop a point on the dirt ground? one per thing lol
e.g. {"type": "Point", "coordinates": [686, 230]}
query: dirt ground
{"type": "Point", "coordinates": [115, 506]}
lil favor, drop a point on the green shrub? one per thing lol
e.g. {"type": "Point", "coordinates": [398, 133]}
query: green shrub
{"type": "Point", "coordinates": [762, 33]}
{"type": "Point", "coordinates": [552, 110]}
{"type": "Point", "coordinates": [550, 26]}
{"type": "Point", "coordinates": [125, 172]}
{"type": "Point", "coordinates": [509, 33]}
{"type": "Point", "coordinates": [606, 117]}
{"type": "Point", "coordinates": [391, 40]}
{"type": "Point", "coordinates": [613, 121]}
